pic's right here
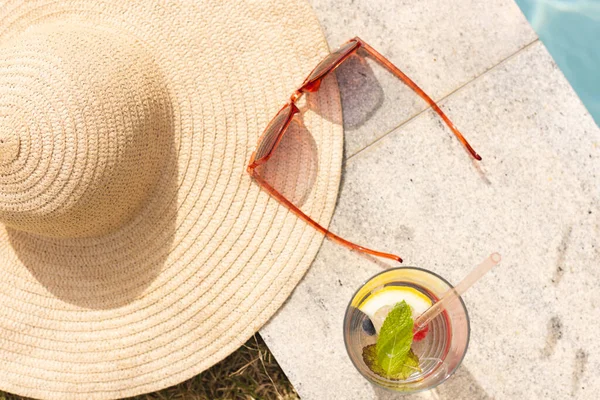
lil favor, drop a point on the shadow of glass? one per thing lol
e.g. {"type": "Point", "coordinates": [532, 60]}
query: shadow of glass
{"type": "Point", "coordinates": [113, 270]}
{"type": "Point", "coordinates": [461, 385]}
{"type": "Point", "coordinates": [292, 170]}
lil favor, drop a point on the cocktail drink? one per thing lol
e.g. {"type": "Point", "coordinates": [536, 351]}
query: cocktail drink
{"type": "Point", "coordinates": [381, 338]}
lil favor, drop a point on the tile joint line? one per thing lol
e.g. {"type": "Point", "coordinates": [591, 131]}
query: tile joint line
{"type": "Point", "coordinates": [443, 98]}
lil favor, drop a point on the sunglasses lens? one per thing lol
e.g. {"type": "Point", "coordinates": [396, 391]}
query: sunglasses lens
{"type": "Point", "coordinates": [329, 61]}
{"type": "Point", "coordinates": [269, 137]}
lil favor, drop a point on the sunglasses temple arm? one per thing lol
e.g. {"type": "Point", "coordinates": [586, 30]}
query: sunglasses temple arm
{"type": "Point", "coordinates": [315, 225]}
{"type": "Point", "coordinates": [396, 71]}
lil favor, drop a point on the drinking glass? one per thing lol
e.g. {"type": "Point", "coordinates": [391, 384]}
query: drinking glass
{"type": "Point", "coordinates": [440, 352]}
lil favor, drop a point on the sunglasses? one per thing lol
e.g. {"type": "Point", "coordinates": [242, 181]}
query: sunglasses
{"type": "Point", "coordinates": [272, 135]}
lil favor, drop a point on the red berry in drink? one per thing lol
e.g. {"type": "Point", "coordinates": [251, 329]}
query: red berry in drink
{"type": "Point", "coordinates": [420, 334]}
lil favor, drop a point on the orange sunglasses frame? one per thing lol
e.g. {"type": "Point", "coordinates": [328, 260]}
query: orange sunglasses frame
{"type": "Point", "coordinates": [312, 84]}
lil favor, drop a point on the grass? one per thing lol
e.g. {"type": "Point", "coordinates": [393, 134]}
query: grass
{"type": "Point", "coordinates": [251, 372]}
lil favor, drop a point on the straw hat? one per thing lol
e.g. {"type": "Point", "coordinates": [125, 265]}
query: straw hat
{"type": "Point", "coordinates": [135, 251]}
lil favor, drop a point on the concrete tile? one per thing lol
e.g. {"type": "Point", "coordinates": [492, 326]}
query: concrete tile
{"type": "Point", "coordinates": [535, 198]}
{"type": "Point", "coordinates": [440, 44]}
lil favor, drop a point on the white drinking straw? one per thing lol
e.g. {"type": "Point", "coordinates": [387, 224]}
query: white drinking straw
{"type": "Point", "coordinates": [455, 292]}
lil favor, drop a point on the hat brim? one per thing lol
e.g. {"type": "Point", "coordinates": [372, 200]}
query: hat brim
{"type": "Point", "coordinates": [210, 257]}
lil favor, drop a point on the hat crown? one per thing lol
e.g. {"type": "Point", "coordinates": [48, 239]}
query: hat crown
{"type": "Point", "coordinates": [84, 118]}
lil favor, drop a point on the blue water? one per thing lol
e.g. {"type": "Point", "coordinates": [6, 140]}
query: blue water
{"type": "Point", "coordinates": [570, 29]}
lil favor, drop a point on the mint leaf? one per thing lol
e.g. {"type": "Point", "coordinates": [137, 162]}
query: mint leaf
{"type": "Point", "coordinates": [369, 354]}
{"type": "Point", "coordinates": [410, 365]}
{"type": "Point", "coordinates": [395, 339]}
{"type": "Point", "coordinates": [392, 356]}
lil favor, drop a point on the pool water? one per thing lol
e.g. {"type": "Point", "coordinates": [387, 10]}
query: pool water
{"type": "Point", "coordinates": [570, 30]}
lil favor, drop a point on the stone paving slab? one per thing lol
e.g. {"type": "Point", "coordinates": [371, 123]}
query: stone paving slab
{"type": "Point", "coordinates": [440, 44]}
{"type": "Point", "coordinates": [534, 198]}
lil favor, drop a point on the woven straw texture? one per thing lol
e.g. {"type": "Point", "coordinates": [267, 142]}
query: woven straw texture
{"type": "Point", "coordinates": [135, 250]}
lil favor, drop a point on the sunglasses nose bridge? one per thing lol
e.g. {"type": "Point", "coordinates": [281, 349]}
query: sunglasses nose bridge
{"type": "Point", "coordinates": [296, 95]}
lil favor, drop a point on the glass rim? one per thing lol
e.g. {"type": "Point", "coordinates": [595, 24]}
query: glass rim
{"type": "Point", "coordinates": [464, 306]}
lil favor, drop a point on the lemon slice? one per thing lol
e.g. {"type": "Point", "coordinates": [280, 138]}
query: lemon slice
{"type": "Point", "coordinates": [390, 295]}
